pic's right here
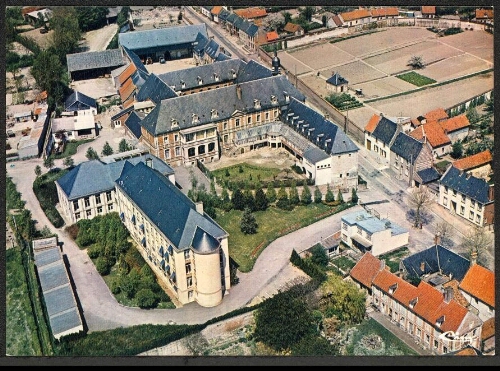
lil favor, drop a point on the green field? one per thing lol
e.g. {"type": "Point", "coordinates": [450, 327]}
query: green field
{"type": "Point", "coordinates": [415, 79]}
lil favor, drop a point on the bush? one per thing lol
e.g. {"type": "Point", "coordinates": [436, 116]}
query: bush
{"type": "Point", "coordinates": [102, 266]}
{"type": "Point", "coordinates": [146, 299]}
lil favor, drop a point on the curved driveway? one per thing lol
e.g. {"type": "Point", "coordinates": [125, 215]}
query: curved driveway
{"type": "Point", "coordinates": [101, 311]}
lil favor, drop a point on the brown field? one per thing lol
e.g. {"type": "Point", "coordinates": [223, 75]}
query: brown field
{"type": "Point", "coordinates": [477, 43]}
{"type": "Point", "coordinates": [325, 54]}
{"type": "Point", "coordinates": [379, 41]}
{"type": "Point", "coordinates": [454, 67]}
{"type": "Point", "coordinates": [293, 64]}
{"type": "Point", "coordinates": [355, 72]}
{"type": "Point", "coordinates": [396, 61]}
{"type": "Point", "coordinates": [382, 87]}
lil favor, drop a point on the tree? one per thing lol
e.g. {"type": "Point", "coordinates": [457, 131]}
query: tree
{"type": "Point", "coordinates": [38, 170]}
{"type": "Point", "coordinates": [271, 193]}
{"type": "Point", "coordinates": [340, 198]}
{"type": "Point", "coordinates": [123, 146]}
{"type": "Point", "coordinates": [294, 194]}
{"type": "Point", "coordinates": [68, 162]}
{"type": "Point", "coordinates": [354, 196]}
{"type": "Point", "coordinates": [287, 17]}
{"type": "Point", "coordinates": [472, 115]}
{"type": "Point", "coordinates": [444, 231]}
{"type": "Point", "coordinates": [416, 62]}
{"type": "Point", "coordinates": [261, 202]}
{"type": "Point", "coordinates": [249, 199]}
{"type": "Point", "coordinates": [283, 200]}
{"type": "Point", "coordinates": [318, 196]}
{"type": "Point", "coordinates": [91, 17]}
{"type": "Point", "coordinates": [314, 345]}
{"type": "Point", "coordinates": [282, 321]}
{"type": "Point", "coordinates": [91, 154]}
{"type": "Point", "coordinates": [319, 255]}
{"type": "Point", "coordinates": [419, 199]}
{"type": "Point", "coordinates": [48, 162]}
{"type": "Point", "coordinates": [307, 12]}
{"type": "Point", "coordinates": [67, 34]}
{"type": "Point", "coordinates": [476, 241]}
{"type": "Point", "coordinates": [107, 150]}
{"type": "Point", "coordinates": [248, 224]}
{"type": "Point", "coordinates": [146, 299]}
{"type": "Point", "coordinates": [329, 196]}
{"type": "Point", "coordinates": [47, 71]}
{"type": "Point", "coordinates": [323, 20]}
{"type": "Point", "coordinates": [238, 200]}
{"type": "Point", "coordinates": [196, 343]}
{"type": "Point", "coordinates": [457, 149]}
{"type": "Point", "coordinates": [306, 197]}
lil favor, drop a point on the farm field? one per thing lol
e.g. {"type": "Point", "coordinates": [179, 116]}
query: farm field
{"type": "Point", "coordinates": [334, 55]}
{"type": "Point", "coordinates": [383, 87]}
{"type": "Point", "coordinates": [476, 43]}
{"type": "Point", "coordinates": [355, 72]}
{"type": "Point", "coordinates": [460, 65]}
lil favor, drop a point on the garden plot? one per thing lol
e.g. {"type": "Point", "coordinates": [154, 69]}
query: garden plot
{"type": "Point", "coordinates": [457, 66]}
{"type": "Point", "coordinates": [383, 87]}
{"type": "Point", "coordinates": [442, 96]}
{"type": "Point", "coordinates": [316, 83]}
{"type": "Point", "coordinates": [325, 55]}
{"type": "Point", "coordinates": [396, 61]}
{"type": "Point", "coordinates": [355, 72]}
{"type": "Point", "coordinates": [478, 43]}
{"type": "Point", "coordinates": [292, 64]}
{"type": "Point", "coordinates": [379, 41]}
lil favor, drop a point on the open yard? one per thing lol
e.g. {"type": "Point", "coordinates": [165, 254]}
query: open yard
{"type": "Point", "coordinates": [325, 55]}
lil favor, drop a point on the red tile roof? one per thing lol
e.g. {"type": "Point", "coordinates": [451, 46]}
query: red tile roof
{"type": "Point", "coordinates": [126, 89]}
{"type": "Point", "coordinates": [355, 14]}
{"type": "Point", "coordinates": [273, 35]}
{"type": "Point", "coordinates": [433, 133]}
{"type": "Point", "coordinates": [216, 10]}
{"type": "Point", "coordinates": [484, 13]}
{"type": "Point", "coordinates": [428, 10]}
{"type": "Point", "coordinates": [436, 115]}
{"type": "Point", "coordinates": [250, 13]}
{"type": "Point", "coordinates": [470, 162]}
{"type": "Point", "coordinates": [488, 328]}
{"type": "Point", "coordinates": [126, 73]}
{"type": "Point", "coordinates": [372, 124]}
{"type": "Point", "coordinates": [455, 123]}
{"type": "Point", "coordinates": [366, 269]}
{"type": "Point", "coordinates": [292, 27]}
{"type": "Point", "coordinates": [480, 283]}
{"type": "Point", "coordinates": [384, 12]}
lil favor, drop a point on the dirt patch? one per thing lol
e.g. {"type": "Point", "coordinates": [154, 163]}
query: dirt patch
{"type": "Point", "coordinates": [98, 40]}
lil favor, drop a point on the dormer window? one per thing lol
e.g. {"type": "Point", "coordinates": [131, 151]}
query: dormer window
{"type": "Point", "coordinates": [440, 321]}
{"type": "Point", "coordinates": [393, 288]}
{"type": "Point", "coordinates": [256, 104]}
{"type": "Point", "coordinates": [233, 73]}
{"type": "Point", "coordinates": [216, 77]}
{"type": "Point", "coordinates": [195, 118]}
{"type": "Point", "coordinates": [413, 302]}
{"type": "Point", "coordinates": [287, 97]}
{"type": "Point", "coordinates": [274, 100]}
{"type": "Point", "coordinates": [200, 80]}
{"type": "Point", "coordinates": [214, 113]}
{"type": "Point", "coordinates": [173, 123]}
{"type": "Point", "coordinates": [183, 84]}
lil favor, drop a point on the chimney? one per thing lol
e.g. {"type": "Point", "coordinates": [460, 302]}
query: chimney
{"type": "Point", "coordinates": [238, 91]}
{"type": "Point", "coordinates": [199, 207]}
{"type": "Point", "coordinates": [473, 257]}
{"type": "Point", "coordinates": [149, 162]}
{"type": "Point", "coordinates": [448, 294]}
{"type": "Point", "coordinates": [381, 114]}
{"type": "Point", "coordinates": [437, 239]}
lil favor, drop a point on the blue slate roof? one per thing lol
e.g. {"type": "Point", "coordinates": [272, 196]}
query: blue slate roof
{"type": "Point", "coordinates": [133, 122]}
{"type": "Point", "coordinates": [252, 71]}
{"type": "Point", "coordinates": [223, 14]}
{"type": "Point", "coordinates": [212, 48]}
{"type": "Point", "coordinates": [79, 101]}
{"type": "Point", "coordinates": [94, 60]}
{"type": "Point", "coordinates": [225, 100]}
{"type": "Point", "coordinates": [207, 73]}
{"type": "Point", "coordinates": [223, 56]}
{"type": "Point", "coordinates": [475, 188]}
{"type": "Point", "coordinates": [385, 130]}
{"type": "Point", "coordinates": [199, 44]}
{"type": "Point", "coordinates": [436, 258]}
{"type": "Point", "coordinates": [161, 37]}
{"type": "Point", "coordinates": [171, 211]}
{"type": "Point", "coordinates": [407, 147]}
{"type": "Point", "coordinates": [122, 112]}
{"type": "Point", "coordinates": [76, 184]}
{"type": "Point", "coordinates": [139, 77]}
{"type": "Point", "coordinates": [336, 80]}
{"type": "Point", "coordinates": [204, 243]}
{"type": "Point", "coordinates": [134, 58]}
{"type": "Point", "coordinates": [429, 175]}
{"type": "Point", "coordinates": [318, 130]}
{"type": "Point", "coordinates": [154, 89]}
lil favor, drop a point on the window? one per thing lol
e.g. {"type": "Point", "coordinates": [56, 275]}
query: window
{"type": "Point", "coordinates": [191, 152]}
{"type": "Point", "coordinates": [462, 210]}
{"type": "Point", "coordinates": [75, 205]}
{"type": "Point", "coordinates": [108, 195]}
{"type": "Point", "coordinates": [190, 294]}
{"type": "Point", "coordinates": [471, 215]}
{"type": "Point", "coordinates": [99, 210]}
{"type": "Point", "coordinates": [167, 153]}
{"type": "Point", "coordinates": [89, 213]}
{"type": "Point", "coordinates": [189, 137]}
{"type": "Point", "coordinates": [97, 199]}
{"type": "Point", "coordinates": [211, 147]}
{"type": "Point", "coordinates": [436, 344]}
{"type": "Point", "coordinates": [249, 119]}
{"type": "Point", "coordinates": [188, 268]}
{"type": "Point", "coordinates": [445, 350]}
{"type": "Point", "coordinates": [258, 117]}
{"type": "Point", "coordinates": [445, 201]}
{"type": "Point", "coordinates": [77, 216]}
{"type": "Point", "coordinates": [201, 149]}
{"type": "Point", "coordinates": [189, 281]}
{"type": "Point", "coordinates": [165, 139]}
{"type": "Point", "coordinates": [110, 207]}
{"type": "Point", "coordinates": [479, 207]}
{"type": "Point", "coordinates": [224, 125]}
{"type": "Point", "coordinates": [237, 122]}
{"type": "Point", "coordinates": [360, 231]}
{"type": "Point", "coordinates": [176, 137]}
{"type": "Point", "coordinates": [472, 203]}
{"type": "Point", "coordinates": [454, 192]}
{"type": "Point", "coordinates": [478, 218]}
{"type": "Point", "coordinates": [186, 254]}
{"type": "Point", "coordinates": [86, 201]}
{"type": "Point", "coordinates": [267, 116]}
{"type": "Point", "coordinates": [427, 338]}
{"type": "Point", "coordinates": [226, 138]}
{"type": "Point", "coordinates": [177, 151]}
{"type": "Point", "coordinates": [368, 236]}
{"type": "Point", "coordinates": [446, 189]}
{"type": "Point", "coordinates": [463, 198]}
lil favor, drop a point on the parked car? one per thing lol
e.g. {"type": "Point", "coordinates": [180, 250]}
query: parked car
{"type": "Point", "coordinates": [10, 133]}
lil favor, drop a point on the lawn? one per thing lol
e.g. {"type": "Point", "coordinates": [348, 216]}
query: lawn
{"type": "Point", "coordinates": [272, 223]}
{"type": "Point", "coordinates": [245, 173]}
{"type": "Point", "coordinates": [415, 78]}
{"type": "Point", "coordinates": [71, 147]}
{"type": "Point", "coordinates": [393, 258]}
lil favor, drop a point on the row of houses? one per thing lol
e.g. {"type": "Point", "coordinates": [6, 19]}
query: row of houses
{"type": "Point", "coordinates": [450, 304]}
